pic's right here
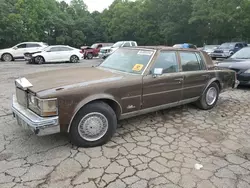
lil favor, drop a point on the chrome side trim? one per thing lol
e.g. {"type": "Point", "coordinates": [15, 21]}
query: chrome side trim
{"type": "Point", "coordinates": [157, 108]}
{"type": "Point", "coordinates": [39, 125]}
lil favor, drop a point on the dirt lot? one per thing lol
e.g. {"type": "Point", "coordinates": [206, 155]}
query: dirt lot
{"type": "Point", "coordinates": [156, 150]}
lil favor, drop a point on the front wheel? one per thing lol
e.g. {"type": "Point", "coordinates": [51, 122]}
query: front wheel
{"type": "Point", "coordinates": [210, 97]}
{"type": "Point", "coordinates": [7, 57]}
{"type": "Point", "coordinates": [39, 60]}
{"type": "Point", "coordinates": [94, 125]}
{"type": "Point", "coordinates": [74, 59]}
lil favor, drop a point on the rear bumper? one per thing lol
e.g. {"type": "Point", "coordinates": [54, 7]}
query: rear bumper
{"type": "Point", "coordinates": [27, 119]}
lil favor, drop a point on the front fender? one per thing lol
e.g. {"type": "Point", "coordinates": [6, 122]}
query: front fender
{"type": "Point", "coordinates": [90, 99]}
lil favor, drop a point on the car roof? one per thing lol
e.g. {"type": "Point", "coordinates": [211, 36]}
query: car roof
{"type": "Point", "coordinates": [126, 41]}
{"type": "Point", "coordinates": [59, 46]}
{"type": "Point", "coordinates": [165, 48]}
{"type": "Point", "coordinates": [33, 42]}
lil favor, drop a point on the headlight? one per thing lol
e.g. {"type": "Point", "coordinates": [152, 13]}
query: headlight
{"type": "Point", "coordinates": [43, 107]}
{"type": "Point", "coordinates": [247, 71]}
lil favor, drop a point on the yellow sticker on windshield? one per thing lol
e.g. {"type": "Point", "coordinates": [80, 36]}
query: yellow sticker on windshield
{"type": "Point", "coordinates": [138, 67]}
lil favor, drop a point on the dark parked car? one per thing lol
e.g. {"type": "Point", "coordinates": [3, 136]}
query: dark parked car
{"type": "Point", "coordinates": [93, 51]}
{"type": "Point", "coordinates": [87, 102]}
{"type": "Point", "coordinates": [227, 49]}
{"type": "Point", "coordinates": [240, 63]}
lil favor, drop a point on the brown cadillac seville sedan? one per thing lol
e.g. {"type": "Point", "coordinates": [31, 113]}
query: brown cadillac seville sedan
{"type": "Point", "coordinates": [87, 102]}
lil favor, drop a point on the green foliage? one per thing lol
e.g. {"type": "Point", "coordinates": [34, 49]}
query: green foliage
{"type": "Point", "coordinates": [149, 22]}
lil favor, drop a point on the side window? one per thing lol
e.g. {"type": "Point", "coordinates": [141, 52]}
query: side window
{"type": "Point", "coordinates": [21, 46]}
{"type": "Point", "coordinates": [32, 45]}
{"type": "Point", "coordinates": [127, 44]}
{"type": "Point", "coordinates": [133, 43]}
{"type": "Point", "coordinates": [99, 46]}
{"type": "Point", "coordinates": [54, 49]}
{"type": "Point", "coordinates": [64, 49]}
{"type": "Point", "coordinates": [190, 62]}
{"type": "Point", "coordinates": [239, 45]}
{"type": "Point", "coordinates": [166, 60]}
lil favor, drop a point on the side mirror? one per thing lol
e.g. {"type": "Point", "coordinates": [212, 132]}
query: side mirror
{"type": "Point", "coordinates": [15, 48]}
{"type": "Point", "coordinates": [157, 72]}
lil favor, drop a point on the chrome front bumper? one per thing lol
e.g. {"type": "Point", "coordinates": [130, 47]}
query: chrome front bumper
{"type": "Point", "coordinates": [27, 119]}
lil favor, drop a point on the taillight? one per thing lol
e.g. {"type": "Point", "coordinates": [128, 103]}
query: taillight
{"type": "Point", "coordinates": [81, 51]}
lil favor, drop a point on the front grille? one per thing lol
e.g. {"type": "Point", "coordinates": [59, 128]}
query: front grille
{"type": "Point", "coordinates": [218, 51]}
{"type": "Point", "coordinates": [21, 96]}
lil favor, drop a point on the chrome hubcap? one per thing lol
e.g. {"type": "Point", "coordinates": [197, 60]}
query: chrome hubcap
{"type": "Point", "coordinates": [211, 96]}
{"type": "Point", "coordinates": [7, 57]}
{"type": "Point", "coordinates": [93, 126]}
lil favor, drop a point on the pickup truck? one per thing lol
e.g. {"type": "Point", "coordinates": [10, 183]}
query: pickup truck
{"type": "Point", "coordinates": [86, 103]}
{"type": "Point", "coordinates": [93, 51]}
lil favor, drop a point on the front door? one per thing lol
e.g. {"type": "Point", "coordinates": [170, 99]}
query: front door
{"type": "Point", "coordinates": [20, 50]}
{"type": "Point", "coordinates": [195, 74]}
{"type": "Point", "coordinates": [167, 88]}
{"type": "Point", "coordinates": [54, 54]}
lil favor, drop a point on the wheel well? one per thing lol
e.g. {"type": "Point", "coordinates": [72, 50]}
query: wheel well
{"type": "Point", "coordinates": [218, 83]}
{"type": "Point", "coordinates": [113, 104]}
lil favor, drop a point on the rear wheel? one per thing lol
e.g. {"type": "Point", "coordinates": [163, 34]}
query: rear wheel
{"type": "Point", "coordinates": [39, 60]}
{"type": "Point", "coordinates": [74, 59]}
{"type": "Point", "coordinates": [7, 57]}
{"type": "Point", "coordinates": [210, 97]}
{"type": "Point", "coordinates": [94, 125]}
{"type": "Point", "coordinates": [90, 56]}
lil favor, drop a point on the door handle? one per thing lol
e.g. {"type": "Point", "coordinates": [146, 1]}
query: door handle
{"type": "Point", "coordinates": [180, 80]}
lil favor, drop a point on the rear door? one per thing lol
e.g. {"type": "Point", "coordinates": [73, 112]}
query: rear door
{"type": "Point", "coordinates": [195, 74]}
{"type": "Point", "coordinates": [164, 89]}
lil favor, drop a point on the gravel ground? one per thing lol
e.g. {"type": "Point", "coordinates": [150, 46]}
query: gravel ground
{"type": "Point", "coordinates": [158, 150]}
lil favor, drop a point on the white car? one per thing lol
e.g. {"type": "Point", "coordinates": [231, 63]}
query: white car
{"type": "Point", "coordinates": [107, 51]}
{"type": "Point", "coordinates": [58, 53]}
{"type": "Point", "coordinates": [18, 51]}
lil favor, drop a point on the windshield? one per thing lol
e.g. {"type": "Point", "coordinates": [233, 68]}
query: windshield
{"type": "Point", "coordinates": [128, 60]}
{"type": "Point", "coordinates": [227, 46]}
{"type": "Point", "coordinates": [117, 45]}
{"type": "Point", "coordinates": [244, 53]}
{"type": "Point", "coordinates": [94, 46]}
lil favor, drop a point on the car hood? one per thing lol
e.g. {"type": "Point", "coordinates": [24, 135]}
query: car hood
{"type": "Point", "coordinates": [235, 64]}
{"type": "Point", "coordinates": [52, 81]}
{"type": "Point", "coordinates": [106, 48]}
{"type": "Point", "coordinates": [5, 50]}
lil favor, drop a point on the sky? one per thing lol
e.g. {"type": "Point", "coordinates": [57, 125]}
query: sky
{"type": "Point", "coordinates": [94, 5]}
